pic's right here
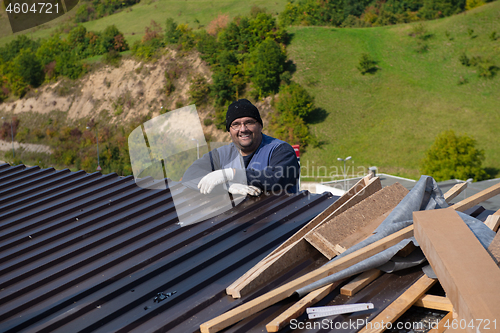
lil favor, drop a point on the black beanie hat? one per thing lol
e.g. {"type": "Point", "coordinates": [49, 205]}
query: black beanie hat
{"type": "Point", "coordinates": [239, 109]}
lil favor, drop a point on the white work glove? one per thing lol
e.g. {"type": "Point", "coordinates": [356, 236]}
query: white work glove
{"type": "Point", "coordinates": [244, 190]}
{"type": "Point", "coordinates": [214, 178]}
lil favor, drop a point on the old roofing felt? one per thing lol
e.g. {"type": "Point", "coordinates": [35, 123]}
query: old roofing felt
{"type": "Point", "coordinates": [95, 253]}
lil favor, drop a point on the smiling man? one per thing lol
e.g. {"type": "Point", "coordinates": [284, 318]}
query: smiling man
{"type": "Point", "coordinates": [267, 164]}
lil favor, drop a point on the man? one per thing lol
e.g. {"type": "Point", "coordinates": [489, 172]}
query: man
{"type": "Point", "coordinates": [267, 164]}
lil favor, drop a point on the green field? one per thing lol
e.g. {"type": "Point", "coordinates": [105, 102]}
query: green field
{"type": "Point", "coordinates": [133, 21]}
{"type": "Point", "coordinates": [387, 119]}
{"type": "Point", "coordinates": [390, 118]}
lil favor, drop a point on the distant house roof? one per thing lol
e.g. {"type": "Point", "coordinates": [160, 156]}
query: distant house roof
{"type": "Point", "coordinates": [90, 252]}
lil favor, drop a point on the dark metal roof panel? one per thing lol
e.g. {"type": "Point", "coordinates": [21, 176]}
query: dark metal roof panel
{"type": "Point", "coordinates": [89, 252]}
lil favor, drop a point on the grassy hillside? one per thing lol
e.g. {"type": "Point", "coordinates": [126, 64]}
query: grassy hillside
{"type": "Point", "coordinates": [390, 118]}
{"type": "Point", "coordinates": [387, 119]}
{"type": "Point", "coordinates": [133, 21]}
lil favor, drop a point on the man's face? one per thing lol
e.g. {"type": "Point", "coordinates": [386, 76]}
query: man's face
{"type": "Point", "coordinates": [246, 134]}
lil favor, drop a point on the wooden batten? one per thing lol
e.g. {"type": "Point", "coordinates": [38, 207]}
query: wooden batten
{"type": "Point", "coordinates": [360, 282]}
{"type": "Point", "coordinates": [454, 191]}
{"type": "Point", "coordinates": [243, 311]}
{"type": "Point", "coordinates": [399, 306]}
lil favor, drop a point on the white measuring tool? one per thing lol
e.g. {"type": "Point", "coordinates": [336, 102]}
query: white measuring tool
{"type": "Point", "coordinates": [325, 311]}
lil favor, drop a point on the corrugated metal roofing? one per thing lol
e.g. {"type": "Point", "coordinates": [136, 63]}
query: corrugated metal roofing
{"type": "Point", "coordinates": [89, 252]}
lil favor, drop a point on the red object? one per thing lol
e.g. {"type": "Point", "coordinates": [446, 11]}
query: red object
{"type": "Point", "coordinates": [297, 150]}
{"type": "Point", "coordinates": [99, 168]}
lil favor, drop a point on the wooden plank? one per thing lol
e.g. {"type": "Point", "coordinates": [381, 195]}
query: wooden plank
{"type": "Point", "coordinates": [464, 268]}
{"type": "Point", "coordinates": [435, 302]}
{"type": "Point", "coordinates": [280, 293]}
{"type": "Point", "coordinates": [298, 308]}
{"type": "Point", "coordinates": [454, 191]}
{"type": "Point", "coordinates": [494, 249]}
{"type": "Point", "coordinates": [441, 326]}
{"type": "Point", "coordinates": [399, 306]}
{"type": "Point", "coordinates": [296, 252]}
{"type": "Point", "coordinates": [333, 231]}
{"type": "Point", "coordinates": [360, 282]}
{"type": "Point", "coordinates": [477, 198]}
{"type": "Point", "coordinates": [493, 222]}
{"type": "Point", "coordinates": [274, 264]}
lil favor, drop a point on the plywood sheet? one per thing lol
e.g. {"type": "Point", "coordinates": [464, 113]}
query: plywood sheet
{"type": "Point", "coordinates": [332, 232]}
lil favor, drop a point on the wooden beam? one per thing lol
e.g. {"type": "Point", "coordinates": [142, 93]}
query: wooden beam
{"type": "Point", "coordinates": [273, 267]}
{"type": "Point", "coordinates": [441, 325]}
{"type": "Point", "coordinates": [298, 308]}
{"type": "Point", "coordinates": [360, 282]}
{"type": "Point", "coordinates": [494, 249]}
{"type": "Point", "coordinates": [477, 198]}
{"type": "Point", "coordinates": [399, 306]}
{"type": "Point", "coordinates": [280, 293]}
{"type": "Point", "coordinates": [435, 303]}
{"type": "Point", "coordinates": [464, 268]}
{"type": "Point", "coordinates": [454, 191]}
{"type": "Point", "coordinates": [292, 250]}
{"type": "Point", "coordinates": [493, 222]}
{"type": "Point", "coordinates": [333, 231]}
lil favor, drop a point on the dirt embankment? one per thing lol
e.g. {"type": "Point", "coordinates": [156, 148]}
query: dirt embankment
{"type": "Point", "coordinates": [134, 88]}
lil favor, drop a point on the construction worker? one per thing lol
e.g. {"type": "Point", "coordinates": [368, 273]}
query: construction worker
{"type": "Point", "coordinates": [252, 163]}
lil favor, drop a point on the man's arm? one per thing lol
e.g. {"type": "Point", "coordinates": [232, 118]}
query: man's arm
{"type": "Point", "coordinates": [283, 171]}
{"type": "Point", "coordinates": [199, 169]}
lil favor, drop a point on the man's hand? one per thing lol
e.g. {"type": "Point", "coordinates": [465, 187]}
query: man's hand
{"type": "Point", "coordinates": [214, 178]}
{"type": "Point", "coordinates": [244, 190]}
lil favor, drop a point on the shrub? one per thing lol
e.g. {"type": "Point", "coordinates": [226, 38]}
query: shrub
{"type": "Point", "coordinates": [207, 121]}
{"type": "Point", "coordinates": [68, 65]}
{"type": "Point", "coordinates": [199, 89]}
{"type": "Point", "coordinates": [218, 24]}
{"type": "Point", "coordinates": [471, 4]}
{"type": "Point", "coordinates": [112, 39]}
{"type": "Point", "coordinates": [420, 31]}
{"type": "Point", "coordinates": [112, 58]}
{"type": "Point", "coordinates": [454, 157]}
{"type": "Point", "coordinates": [50, 48]}
{"type": "Point", "coordinates": [172, 35]}
{"type": "Point", "coordinates": [422, 47]}
{"type": "Point", "coordinates": [296, 100]}
{"type": "Point", "coordinates": [28, 67]}
{"type": "Point", "coordinates": [367, 64]}
{"type": "Point", "coordinates": [9, 129]}
{"type": "Point", "coordinates": [150, 43]}
{"type": "Point", "coordinates": [464, 60]}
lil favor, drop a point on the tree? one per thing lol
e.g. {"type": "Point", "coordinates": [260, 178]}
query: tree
{"type": "Point", "coordinates": [454, 157]}
{"type": "Point", "coordinates": [269, 62]}
{"type": "Point", "coordinates": [28, 67]}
